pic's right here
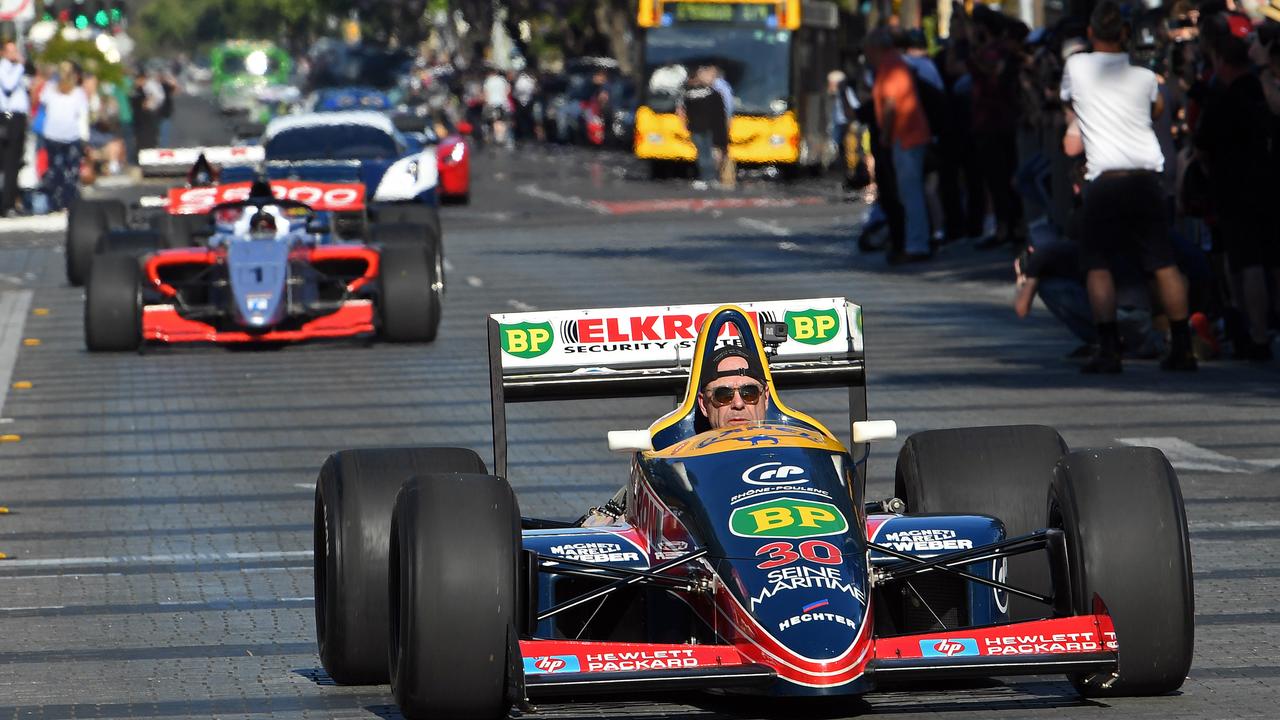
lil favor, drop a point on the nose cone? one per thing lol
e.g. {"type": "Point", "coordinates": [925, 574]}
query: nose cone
{"type": "Point", "coordinates": [814, 609]}
{"type": "Point", "coordinates": [258, 271]}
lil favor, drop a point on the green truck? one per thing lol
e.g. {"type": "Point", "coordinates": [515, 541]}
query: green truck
{"type": "Point", "coordinates": [243, 71]}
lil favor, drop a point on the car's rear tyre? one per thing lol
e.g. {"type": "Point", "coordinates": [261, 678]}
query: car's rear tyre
{"type": "Point", "coordinates": [87, 220]}
{"type": "Point", "coordinates": [415, 213]}
{"type": "Point", "coordinates": [418, 235]}
{"type": "Point", "coordinates": [409, 305]}
{"type": "Point", "coordinates": [1126, 535]}
{"type": "Point", "coordinates": [179, 231]}
{"type": "Point", "coordinates": [455, 544]}
{"type": "Point", "coordinates": [1003, 472]}
{"type": "Point", "coordinates": [113, 304]}
{"type": "Point", "coordinates": [355, 496]}
{"type": "Point", "coordinates": [130, 242]}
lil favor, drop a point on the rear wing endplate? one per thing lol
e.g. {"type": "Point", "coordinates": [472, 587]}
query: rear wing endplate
{"type": "Point", "coordinates": [647, 351]}
{"type": "Point", "coordinates": [177, 161]}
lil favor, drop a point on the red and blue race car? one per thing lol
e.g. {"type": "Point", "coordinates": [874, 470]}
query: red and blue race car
{"type": "Point", "coordinates": [745, 558]}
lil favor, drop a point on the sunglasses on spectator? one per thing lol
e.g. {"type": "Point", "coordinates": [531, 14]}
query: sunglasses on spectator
{"type": "Point", "coordinates": [723, 395]}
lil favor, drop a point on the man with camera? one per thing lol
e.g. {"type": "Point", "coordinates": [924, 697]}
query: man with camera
{"type": "Point", "coordinates": [1124, 211]}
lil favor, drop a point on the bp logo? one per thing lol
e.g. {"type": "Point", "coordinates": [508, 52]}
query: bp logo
{"type": "Point", "coordinates": [787, 518]}
{"type": "Point", "coordinates": [526, 340]}
{"type": "Point", "coordinates": [812, 327]}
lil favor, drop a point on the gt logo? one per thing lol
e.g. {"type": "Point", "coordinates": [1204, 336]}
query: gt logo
{"type": "Point", "coordinates": [787, 518]}
{"type": "Point", "coordinates": [526, 340]}
{"type": "Point", "coordinates": [772, 473]}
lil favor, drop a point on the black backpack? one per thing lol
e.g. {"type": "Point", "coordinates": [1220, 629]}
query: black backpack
{"type": "Point", "coordinates": [934, 103]}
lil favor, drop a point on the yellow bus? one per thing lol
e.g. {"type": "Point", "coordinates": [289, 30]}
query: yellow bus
{"type": "Point", "coordinates": [775, 54]}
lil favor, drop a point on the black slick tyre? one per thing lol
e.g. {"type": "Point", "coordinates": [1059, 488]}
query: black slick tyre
{"type": "Point", "coordinates": [130, 242]}
{"type": "Point", "coordinates": [1003, 472]}
{"type": "Point", "coordinates": [87, 220]}
{"type": "Point", "coordinates": [179, 231]}
{"type": "Point", "coordinates": [355, 495]}
{"type": "Point", "coordinates": [1126, 535]}
{"type": "Point", "coordinates": [409, 305]}
{"type": "Point", "coordinates": [455, 544]}
{"type": "Point", "coordinates": [113, 304]}
{"type": "Point", "coordinates": [414, 234]}
{"type": "Point", "coordinates": [412, 213]}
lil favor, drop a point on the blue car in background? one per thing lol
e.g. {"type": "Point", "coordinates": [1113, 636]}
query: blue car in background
{"type": "Point", "coordinates": [398, 169]}
{"type": "Point", "coordinates": [338, 99]}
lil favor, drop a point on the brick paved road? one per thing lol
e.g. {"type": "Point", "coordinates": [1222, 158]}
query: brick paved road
{"type": "Point", "coordinates": [161, 504]}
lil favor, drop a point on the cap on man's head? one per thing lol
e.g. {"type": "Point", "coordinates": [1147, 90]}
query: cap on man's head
{"type": "Point", "coordinates": [711, 372]}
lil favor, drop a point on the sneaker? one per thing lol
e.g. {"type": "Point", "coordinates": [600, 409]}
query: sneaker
{"type": "Point", "coordinates": [1203, 342]}
{"type": "Point", "coordinates": [1102, 363]}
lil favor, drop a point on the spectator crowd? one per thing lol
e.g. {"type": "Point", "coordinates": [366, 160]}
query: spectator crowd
{"type": "Point", "coordinates": [1126, 161]}
{"type": "Point", "coordinates": [67, 127]}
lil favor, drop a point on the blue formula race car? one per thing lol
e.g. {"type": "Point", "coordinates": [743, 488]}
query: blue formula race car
{"type": "Point", "coordinates": [744, 557]}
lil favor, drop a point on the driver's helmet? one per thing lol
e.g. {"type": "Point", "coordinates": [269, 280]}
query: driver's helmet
{"type": "Point", "coordinates": [262, 226]}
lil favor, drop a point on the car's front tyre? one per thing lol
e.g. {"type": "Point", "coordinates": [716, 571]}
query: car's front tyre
{"type": "Point", "coordinates": [1126, 536]}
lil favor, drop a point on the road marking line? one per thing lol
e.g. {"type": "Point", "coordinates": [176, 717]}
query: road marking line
{"type": "Point", "coordinates": [31, 342]}
{"type": "Point", "coordinates": [53, 222]}
{"type": "Point", "coordinates": [40, 312]}
{"type": "Point", "coordinates": [474, 281]}
{"type": "Point", "coordinates": [631, 207]}
{"type": "Point", "coordinates": [764, 226]}
{"type": "Point", "coordinates": [1234, 524]}
{"type": "Point", "coordinates": [533, 191]}
{"type": "Point", "coordinates": [305, 486]}
{"type": "Point", "coordinates": [115, 560]}
{"type": "Point", "coordinates": [1183, 455]}
{"type": "Point", "coordinates": [522, 306]}
{"type": "Point", "coordinates": [62, 576]}
{"type": "Point", "coordinates": [10, 438]}
{"type": "Point", "coordinates": [14, 305]}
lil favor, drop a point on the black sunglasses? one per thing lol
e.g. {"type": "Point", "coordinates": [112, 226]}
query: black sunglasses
{"type": "Point", "coordinates": [723, 395]}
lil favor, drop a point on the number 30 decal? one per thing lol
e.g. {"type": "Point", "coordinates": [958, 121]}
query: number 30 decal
{"type": "Point", "coordinates": [783, 553]}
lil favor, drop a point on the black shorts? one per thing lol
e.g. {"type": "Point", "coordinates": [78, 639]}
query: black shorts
{"type": "Point", "coordinates": [1125, 214]}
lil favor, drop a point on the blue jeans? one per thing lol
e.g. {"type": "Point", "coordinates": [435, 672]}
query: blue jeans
{"type": "Point", "coordinates": [908, 165]}
{"type": "Point", "coordinates": [1069, 303]}
{"type": "Point", "coordinates": [706, 156]}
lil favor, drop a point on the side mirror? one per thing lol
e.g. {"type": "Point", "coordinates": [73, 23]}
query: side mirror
{"type": "Point", "coordinates": [865, 431]}
{"type": "Point", "coordinates": [629, 441]}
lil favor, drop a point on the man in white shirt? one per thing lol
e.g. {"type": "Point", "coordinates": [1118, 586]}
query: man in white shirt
{"type": "Point", "coordinates": [15, 106]}
{"type": "Point", "coordinates": [1125, 208]}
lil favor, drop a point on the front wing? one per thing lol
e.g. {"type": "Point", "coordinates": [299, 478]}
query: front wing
{"type": "Point", "coordinates": [162, 323]}
{"type": "Point", "coordinates": [1073, 645]}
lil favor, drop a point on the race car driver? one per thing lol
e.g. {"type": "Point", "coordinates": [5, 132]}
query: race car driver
{"type": "Point", "coordinates": [733, 388]}
{"type": "Point", "coordinates": [734, 392]}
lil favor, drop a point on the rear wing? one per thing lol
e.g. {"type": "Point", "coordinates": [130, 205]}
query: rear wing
{"type": "Point", "coordinates": [647, 351]}
{"type": "Point", "coordinates": [171, 162]}
{"type": "Point", "coordinates": [332, 197]}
